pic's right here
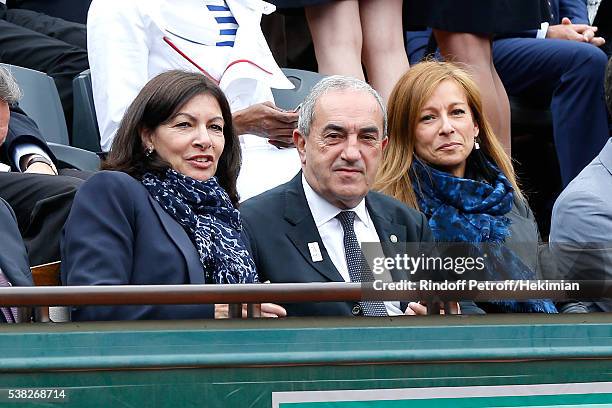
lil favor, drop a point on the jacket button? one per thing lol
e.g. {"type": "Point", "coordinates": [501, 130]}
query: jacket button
{"type": "Point", "coordinates": [356, 310]}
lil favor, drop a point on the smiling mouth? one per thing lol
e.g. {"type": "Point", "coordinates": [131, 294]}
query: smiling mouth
{"type": "Point", "coordinates": [203, 162]}
{"type": "Point", "coordinates": [202, 159]}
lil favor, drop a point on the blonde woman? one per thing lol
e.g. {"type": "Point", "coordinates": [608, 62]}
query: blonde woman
{"type": "Point", "coordinates": [444, 159]}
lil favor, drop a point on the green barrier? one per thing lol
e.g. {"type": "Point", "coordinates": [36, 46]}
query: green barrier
{"type": "Point", "coordinates": [458, 361]}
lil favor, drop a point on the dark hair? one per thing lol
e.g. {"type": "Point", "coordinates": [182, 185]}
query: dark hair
{"type": "Point", "coordinates": [160, 99]}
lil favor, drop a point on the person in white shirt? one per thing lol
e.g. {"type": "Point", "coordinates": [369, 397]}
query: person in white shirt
{"type": "Point", "coordinates": [131, 41]}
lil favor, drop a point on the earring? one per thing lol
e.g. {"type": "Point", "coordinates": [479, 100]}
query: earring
{"type": "Point", "coordinates": [476, 144]}
{"type": "Point", "coordinates": [149, 151]}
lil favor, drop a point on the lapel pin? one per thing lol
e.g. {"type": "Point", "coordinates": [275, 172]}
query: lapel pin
{"type": "Point", "coordinates": [315, 252]}
{"type": "Point", "coordinates": [393, 238]}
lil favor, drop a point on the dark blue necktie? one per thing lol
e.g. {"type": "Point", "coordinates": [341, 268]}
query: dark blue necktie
{"type": "Point", "coordinates": [358, 268]}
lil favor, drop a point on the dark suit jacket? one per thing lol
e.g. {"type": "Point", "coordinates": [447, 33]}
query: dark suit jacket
{"type": "Point", "coordinates": [21, 130]}
{"type": "Point", "coordinates": [117, 234]}
{"type": "Point", "coordinates": [279, 226]}
{"type": "Point", "coordinates": [13, 256]}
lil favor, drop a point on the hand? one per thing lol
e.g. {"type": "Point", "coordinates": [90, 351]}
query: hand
{"type": "Point", "coordinates": [267, 120]}
{"type": "Point", "coordinates": [420, 309]}
{"type": "Point", "coordinates": [574, 32]}
{"type": "Point", "coordinates": [40, 168]}
{"type": "Point", "coordinates": [267, 310]}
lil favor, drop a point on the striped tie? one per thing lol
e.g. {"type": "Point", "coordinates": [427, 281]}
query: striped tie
{"type": "Point", "coordinates": [358, 268]}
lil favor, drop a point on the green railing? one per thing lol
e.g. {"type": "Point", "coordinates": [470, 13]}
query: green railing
{"type": "Point", "coordinates": [433, 361]}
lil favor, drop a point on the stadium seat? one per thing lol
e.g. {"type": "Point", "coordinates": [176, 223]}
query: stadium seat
{"type": "Point", "coordinates": [41, 102]}
{"type": "Point", "coordinates": [289, 99]}
{"type": "Point", "coordinates": [85, 132]}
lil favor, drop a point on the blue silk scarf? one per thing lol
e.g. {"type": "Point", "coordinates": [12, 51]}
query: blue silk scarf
{"type": "Point", "coordinates": [473, 211]}
{"type": "Point", "coordinates": [205, 211]}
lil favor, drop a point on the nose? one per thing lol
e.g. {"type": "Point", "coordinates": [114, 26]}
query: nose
{"type": "Point", "coordinates": [202, 139]}
{"type": "Point", "coordinates": [351, 152]}
{"type": "Point", "coordinates": [446, 127]}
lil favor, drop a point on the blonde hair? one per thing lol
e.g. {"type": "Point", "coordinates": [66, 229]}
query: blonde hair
{"type": "Point", "coordinates": [407, 99]}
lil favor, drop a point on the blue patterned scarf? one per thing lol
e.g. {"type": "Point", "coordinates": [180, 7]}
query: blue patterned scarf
{"type": "Point", "coordinates": [466, 210]}
{"type": "Point", "coordinates": [212, 223]}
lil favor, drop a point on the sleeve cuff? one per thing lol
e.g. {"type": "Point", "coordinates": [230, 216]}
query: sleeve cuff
{"type": "Point", "coordinates": [25, 149]}
{"type": "Point", "coordinates": [542, 31]}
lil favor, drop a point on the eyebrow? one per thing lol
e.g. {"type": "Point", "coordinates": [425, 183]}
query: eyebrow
{"type": "Point", "coordinates": [190, 116]}
{"type": "Point", "coordinates": [333, 126]}
{"type": "Point", "coordinates": [369, 129]}
{"type": "Point", "coordinates": [339, 128]}
{"type": "Point", "coordinates": [451, 104]}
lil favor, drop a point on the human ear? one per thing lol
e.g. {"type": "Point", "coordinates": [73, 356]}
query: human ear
{"type": "Point", "coordinates": [384, 143]}
{"type": "Point", "coordinates": [146, 138]}
{"type": "Point", "coordinates": [299, 141]}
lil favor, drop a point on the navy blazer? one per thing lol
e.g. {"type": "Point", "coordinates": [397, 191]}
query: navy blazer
{"type": "Point", "coordinates": [117, 234]}
{"type": "Point", "coordinates": [13, 256]}
{"type": "Point", "coordinates": [279, 226]}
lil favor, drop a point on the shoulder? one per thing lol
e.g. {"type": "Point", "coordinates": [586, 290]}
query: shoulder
{"type": "Point", "coordinates": [581, 213]}
{"type": "Point", "coordinates": [112, 184]}
{"type": "Point", "coordinates": [521, 207]}
{"type": "Point", "coordinates": [112, 180]}
{"type": "Point", "coordinates": [392, 207]}
{"type": "Point", "coordinates": [586, 191]}
{"type": "Point", "coordinates": [269, 202]}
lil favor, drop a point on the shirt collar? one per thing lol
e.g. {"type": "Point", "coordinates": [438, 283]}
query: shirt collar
{"type": "Point", "coordinates": [323, 211]}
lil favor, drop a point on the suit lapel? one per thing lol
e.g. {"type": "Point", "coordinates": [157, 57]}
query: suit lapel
{"type": "Point", "coordinates": [386, 228]}
{"type": "Point", "coordinates": [385, 225]}
{"type": "Point", "coordinates": [179, 237]}
{"type": "Point", "coordinates": [304, 231]}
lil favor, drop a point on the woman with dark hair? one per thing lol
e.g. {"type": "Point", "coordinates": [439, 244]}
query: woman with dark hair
{"type": "Point", "coordinates": [165, 211]}
{"type": "Point", "coordinates": [444, 159]}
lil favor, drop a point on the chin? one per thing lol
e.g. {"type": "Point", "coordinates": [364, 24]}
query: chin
{"type": "Point", "coordinates": [198, 176]}
{"type": "Point", "coordinates": [351, 197]}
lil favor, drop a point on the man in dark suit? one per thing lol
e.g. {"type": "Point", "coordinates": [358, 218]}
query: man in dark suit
{"type": "Point", "coordinates": [29, 182]}
{"type": "Point", "coordinates": [559, 64]}
{"type": "Point", "coordinates": [308, 229]}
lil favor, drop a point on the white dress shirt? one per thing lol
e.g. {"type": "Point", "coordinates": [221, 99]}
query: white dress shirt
{"type": "Point", "coordinates": [332, 234]}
